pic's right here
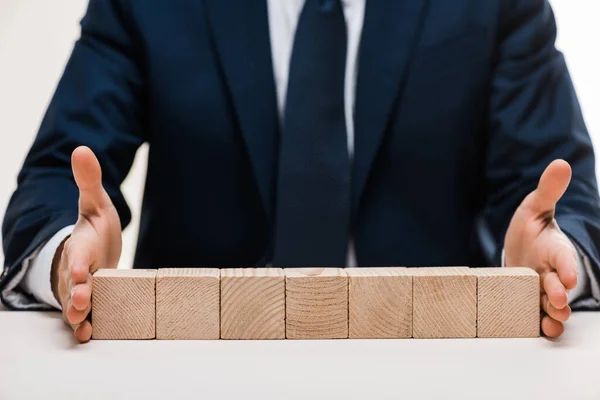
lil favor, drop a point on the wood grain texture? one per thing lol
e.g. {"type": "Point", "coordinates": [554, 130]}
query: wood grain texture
{"type": "Point", "coordinates": [316, 303]}
{"type": "Point", "coordinates": [380, 303]}
{"type": "Point", "coordinates": [187, 303]}
{"type": "Point", "coordinates": [508, 302]}
{"type": "Point", "coordinates": [444, 302]}
{"type": "Point", "coordinates": [123, 304]}
{"type": "Point", "coordinates": [252, 303]}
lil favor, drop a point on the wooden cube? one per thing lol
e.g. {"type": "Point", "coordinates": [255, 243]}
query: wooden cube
{"type": "Point", "coordinates": [252, 303]}
{"type": "Point", "coordinates": [187, 303]}
{"type": "Point", "coordinates": [444, 302]}
{"type": "Point", "coordinates": [316, 303]}
{"type": "Point", "coordinates": [123, 304]}
{"type": "Point", "coordinates": [508, 302]}
{"type": "Point", "coordinates": [380, 302]}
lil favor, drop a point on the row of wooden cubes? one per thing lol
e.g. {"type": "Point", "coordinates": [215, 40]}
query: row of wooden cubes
{"type": "Point", "coordinates": [315, 303]}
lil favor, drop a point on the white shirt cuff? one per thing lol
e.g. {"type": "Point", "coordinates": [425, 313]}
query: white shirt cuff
{"type": "Point", "coordinates": [37, 278]}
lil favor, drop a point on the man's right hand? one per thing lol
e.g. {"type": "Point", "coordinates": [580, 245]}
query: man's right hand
{"type": "Point", "coordinates": [95, 243]}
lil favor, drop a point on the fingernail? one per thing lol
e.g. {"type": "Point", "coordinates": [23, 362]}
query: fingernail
{"type": "Point", "coordinates": [72, 292]}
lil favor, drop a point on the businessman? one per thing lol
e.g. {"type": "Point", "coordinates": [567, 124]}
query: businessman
{"type": "Point", "coordinates": [310, 132]}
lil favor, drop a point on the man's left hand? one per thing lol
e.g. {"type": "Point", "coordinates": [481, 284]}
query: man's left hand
{"type": "Point", "coordinates": [535, 240]}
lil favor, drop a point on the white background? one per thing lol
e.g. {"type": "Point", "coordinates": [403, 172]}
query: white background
{"type": "Point", "coordinates": [36, 38]}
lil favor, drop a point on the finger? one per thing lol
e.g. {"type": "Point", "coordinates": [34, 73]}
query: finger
{"type": "Point", "coordinates": [551, 327]}
{"type": "Point", "coordinates": [88, 176]}
{"type": "Point", "coordinates": [81, 296]}
{"type": "Point", "coordinates": [561, 315]}
{"type": "Point", "coordinates": [80, 254]}
{"type": "Point", "coordinates": [557, 295]}
{"type": "Point", "coordinates": [83, 333]}
{"type": "Point", "coordinates": [563, 258]}
{"type": "Point", "coordinates": [553, 184]}
{"type": "Point", "coordinates": [74, 316]}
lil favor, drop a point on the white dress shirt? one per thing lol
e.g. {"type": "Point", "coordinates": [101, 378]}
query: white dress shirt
{"type": "Point", "coordinates": [283, 18]}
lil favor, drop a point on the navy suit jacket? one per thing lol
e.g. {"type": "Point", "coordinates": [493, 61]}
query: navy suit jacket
{"type": "Point", "coordinates": [460, 105]}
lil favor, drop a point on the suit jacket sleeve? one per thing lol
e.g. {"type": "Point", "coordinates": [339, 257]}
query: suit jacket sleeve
{"type": "Point", "coordinates": [97, 103]}
{"type": "Point", "coordinates": [535, 118]}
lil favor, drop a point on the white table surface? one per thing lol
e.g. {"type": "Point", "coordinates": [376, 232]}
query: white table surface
{"type": "Point", "coordinates": [40, 360]}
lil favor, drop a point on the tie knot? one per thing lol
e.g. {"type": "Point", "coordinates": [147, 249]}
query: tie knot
{"type": "Point", "coordinates": [328, 5]}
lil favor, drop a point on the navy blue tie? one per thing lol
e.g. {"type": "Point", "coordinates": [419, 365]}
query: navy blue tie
{"type": "Point", "coordinates": [313, 188]}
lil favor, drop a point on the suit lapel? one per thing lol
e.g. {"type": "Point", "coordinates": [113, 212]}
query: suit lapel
{"type": "Point", "coordinates": [390, 33]}
{"type": "Point", "coordinates": [242, 42]}
{"type": "Point", "coordinates": [241, 36]}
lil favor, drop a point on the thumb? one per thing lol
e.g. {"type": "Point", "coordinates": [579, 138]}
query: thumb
{"type": "Point", "coordinates": [552, 186]}
{"type": "Point", "coordinates": [88, 176]}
